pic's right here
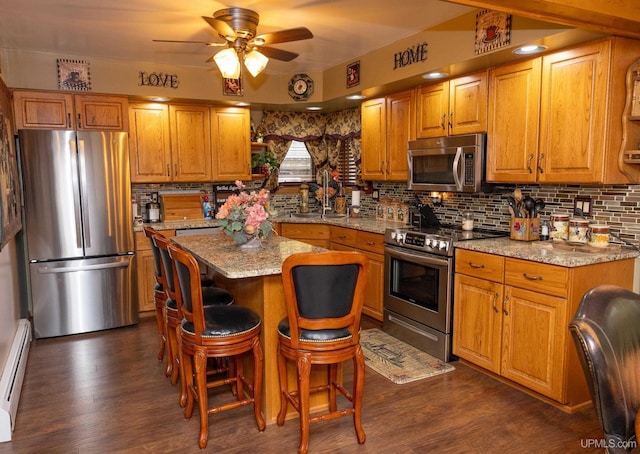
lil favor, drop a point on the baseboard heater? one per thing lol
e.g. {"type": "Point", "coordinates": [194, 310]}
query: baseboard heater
{"type": "Point", "coordinates": [12, 376]}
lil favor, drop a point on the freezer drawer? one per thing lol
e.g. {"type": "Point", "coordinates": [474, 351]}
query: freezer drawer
{"type": "Point", "coordinates": [79, 296]}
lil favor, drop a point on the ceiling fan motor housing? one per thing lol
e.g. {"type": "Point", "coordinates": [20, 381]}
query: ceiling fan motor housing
{"type": "Point", "coordinates": [243, 21]}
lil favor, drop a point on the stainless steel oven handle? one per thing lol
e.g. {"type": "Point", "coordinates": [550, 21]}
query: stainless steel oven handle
{"type": "Point", "coordinates": [420, 258]}
{"type": "Point", "coordinates": [411, 328]}
{"type": "Point", "coordinates": [457, 169]}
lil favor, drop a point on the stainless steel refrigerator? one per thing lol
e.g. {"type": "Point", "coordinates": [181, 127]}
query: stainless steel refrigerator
{"type": "Point", "coordinates": [79, 230]}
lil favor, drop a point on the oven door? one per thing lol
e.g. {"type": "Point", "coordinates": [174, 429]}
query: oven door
{"type": "Point", "coordinates": [418, 286]}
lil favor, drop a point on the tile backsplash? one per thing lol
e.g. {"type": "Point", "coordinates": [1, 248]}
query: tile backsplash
{"type": "Point", "coordinates": [616, 205]}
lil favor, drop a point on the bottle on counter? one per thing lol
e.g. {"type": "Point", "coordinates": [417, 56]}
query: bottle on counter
{"type": "Point", "coordinates": [467, 220]}
{"type": "Point", "coordinates": [206, 207]}
{"type": "Point", "coordinates": [544, 231]}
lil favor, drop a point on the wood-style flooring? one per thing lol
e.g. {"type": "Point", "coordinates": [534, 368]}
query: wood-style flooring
{"type": "Point", "coordinates": [106, 392]}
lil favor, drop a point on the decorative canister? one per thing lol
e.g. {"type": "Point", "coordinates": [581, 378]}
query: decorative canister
{"type": "Point", "coordinates": [579, 230]}
{"type": "Point", "coordinates": [559, 227]}
{"type": "Point", "coordinates": [600, 235]}
{"type": "Point", "coordinates": [403, 213]}
{"type": "Point", "coordinates": [392, 211]}
{"type": "Point", "coordinates": [467, 220]}
{"type": "Point", "coordinates": [381, 208]}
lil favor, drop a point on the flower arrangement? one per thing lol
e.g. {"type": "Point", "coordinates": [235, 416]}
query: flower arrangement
{"type": "Point", "coordinates": [245, 215]}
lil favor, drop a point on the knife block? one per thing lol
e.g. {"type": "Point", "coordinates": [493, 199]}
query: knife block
{"type": "Point", "coordinates": [525, 229]}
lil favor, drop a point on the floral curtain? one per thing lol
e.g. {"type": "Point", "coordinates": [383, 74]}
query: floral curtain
{"type": "Point", "coordinates": [323, 135]}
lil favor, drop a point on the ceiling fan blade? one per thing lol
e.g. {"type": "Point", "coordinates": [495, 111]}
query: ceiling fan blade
{"type": "Point", "coordinates": [206, 43]}
{"type": "Point", "coordinates": [221, 27]}
{"type": "Point", "coordinates": [277, 54]}
{"type": "Point", "coordinates": [283, 36]}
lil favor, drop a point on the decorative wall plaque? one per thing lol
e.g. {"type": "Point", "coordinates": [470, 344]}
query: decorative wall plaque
{"type": "Point", "coordinates": [493, 31]}
{"type": "Point", "coordinates": [74, 75]}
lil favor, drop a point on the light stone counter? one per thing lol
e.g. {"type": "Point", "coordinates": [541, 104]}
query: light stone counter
{"type": "Point", "coordinates": [545, 252]}
{"type": "Point", "coordinates": [173, 225]}
{"type": "Point", "coordinates": [367, 224]}
{"type": "Point", "coordinates": [220, 253]}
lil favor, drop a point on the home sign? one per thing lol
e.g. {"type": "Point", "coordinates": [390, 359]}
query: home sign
{"type": "Point", "coordinates": [414, 54]}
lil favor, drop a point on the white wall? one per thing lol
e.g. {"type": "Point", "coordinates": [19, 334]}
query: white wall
{"type": "Point", "coordinates": [10, 300]}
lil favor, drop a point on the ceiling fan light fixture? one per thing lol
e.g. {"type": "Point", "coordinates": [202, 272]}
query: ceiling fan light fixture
{"type": "Point", "coordinates": [255, 62]}
{"type": "Point", "coordinates": [228, 63]}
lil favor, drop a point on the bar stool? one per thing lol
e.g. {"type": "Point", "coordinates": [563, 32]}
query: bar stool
{"type": "Point", "coordinates": [323, 293]}
{"type": "Point", "coordinates": [159, 296]}
{"type": "Point", "coordinates": [215, 332]}
{"type": "Point", "coordinates": [211, 296]}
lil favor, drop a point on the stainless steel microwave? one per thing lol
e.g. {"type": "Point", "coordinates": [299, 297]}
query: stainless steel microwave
{"type": "Point", "coordinates": [448, 164]}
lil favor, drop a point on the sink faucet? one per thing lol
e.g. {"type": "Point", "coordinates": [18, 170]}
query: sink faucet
{"type": "Point", "coordinates": [326, 206]}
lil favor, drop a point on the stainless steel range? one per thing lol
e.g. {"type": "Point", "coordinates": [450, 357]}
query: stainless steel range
{"type": "Point", "coordinates": [418, 293]}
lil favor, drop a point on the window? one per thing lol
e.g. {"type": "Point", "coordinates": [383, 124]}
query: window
{"type": "Point", "coordinates": [297, 165]}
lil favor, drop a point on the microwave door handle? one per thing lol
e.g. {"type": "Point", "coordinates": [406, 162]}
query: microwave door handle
{"type": "Point", "coordinates": [457, 169]}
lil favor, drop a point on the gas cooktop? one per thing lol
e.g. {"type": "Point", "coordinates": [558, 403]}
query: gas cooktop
{"type": "Point", "coordinates": [436, 239]}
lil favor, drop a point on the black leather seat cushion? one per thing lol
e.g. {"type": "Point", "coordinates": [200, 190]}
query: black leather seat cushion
{"type": "Point", "coordinates": [322, 335]}
{"type": "Point", "coordinates": [206, 281]}
{"type": "Point", "coordinates": [158, 287]}
{"type": "Point", "coordinates": [222, 321]}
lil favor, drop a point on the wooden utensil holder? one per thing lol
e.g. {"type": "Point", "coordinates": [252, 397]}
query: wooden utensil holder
{"type": "Point", "coordinates": [525, 229]}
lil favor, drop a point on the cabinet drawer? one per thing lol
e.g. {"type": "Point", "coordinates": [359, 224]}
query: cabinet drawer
{"type": "Point", "coordinates": [343, 236]}
{"type": "Point", "coordinates": [537, 277]}
{"type": "Point", "coordinates": [480, 264]}
{"type": "Point", "coordinates": [142, 242]}
{"type": "Point", "coordinates": [373, 242]}
{"type": "Point", "coordinates": [301, 231]}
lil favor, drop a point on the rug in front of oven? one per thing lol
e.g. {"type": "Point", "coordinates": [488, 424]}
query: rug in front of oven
{"type": "Point", "coordinates": [398, 361]}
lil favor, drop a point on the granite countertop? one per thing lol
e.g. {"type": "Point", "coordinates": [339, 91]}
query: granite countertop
{"type": "Point", "coordinates": [219, 252]}
{"type": "Point", "coordinates": [182, 224]}
{"type": "Point", "coordinates": [548, 252]}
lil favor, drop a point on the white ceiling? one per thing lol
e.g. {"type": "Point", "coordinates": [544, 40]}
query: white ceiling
{"type": "Point", "coordinates": [124, 29]}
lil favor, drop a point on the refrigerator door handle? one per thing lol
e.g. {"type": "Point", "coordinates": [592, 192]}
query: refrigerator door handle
{"type": "Point", "coordinates": [76, 193]}
{"type": "Point", "coordinates": [73, 269]}
{"type": "Point", "coordinates": [83, 186]}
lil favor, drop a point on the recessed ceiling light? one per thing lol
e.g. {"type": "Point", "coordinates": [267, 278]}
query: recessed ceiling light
{"type": "Point", "coordinates": [356, 96]}
{"type": "Point", "coordinates": [242, 104]}
{"type": "Point", "coordinates": [159, 99]}
{"type": "Point", "coordinates": [314, 108]}
{"type": "Point", "coordinates": [531, 49]}
{"type": "Point", "coordinates": [435, 75]}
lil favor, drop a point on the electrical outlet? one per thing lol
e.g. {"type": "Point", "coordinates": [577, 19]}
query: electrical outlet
{"type": "Point", "coordinates": [582, 205]}
{"type": "Point", "coordinates": [375, 194]}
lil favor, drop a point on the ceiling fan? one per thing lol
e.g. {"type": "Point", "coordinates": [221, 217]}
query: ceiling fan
{"type": "Point", "coordinates": [237, 26]}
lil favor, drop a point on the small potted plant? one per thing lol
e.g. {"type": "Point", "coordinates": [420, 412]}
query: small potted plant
{"type": "Point", "coordinates": [263, 163]}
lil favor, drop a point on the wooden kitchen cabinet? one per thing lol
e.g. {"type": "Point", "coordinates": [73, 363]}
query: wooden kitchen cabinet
{"type": "Point", "coordinates": [314, 234]}
{"type": "Point", "coordinates": [149, 143]}
{"type": "Point", "coordinates": [452, 107]}
{"type": "Point", "coordinates": [230, 129]}
{"type": "Point", "coordinates": [387, 125]}
{"type": "Point", "coordinates": [513, 125]}
{"type": "Point", "coordinates": [190, 143]}
{"type": "Point", "coordinates": [372, 245]}
{"type": "Point", "coordinates": [511, 318]}
{"type": "Point", "coordinates": [57, 110]}
{"type": "Point", "coordinates": [145, 270]}
{"type": "Point", "coordinates": [581, 104]}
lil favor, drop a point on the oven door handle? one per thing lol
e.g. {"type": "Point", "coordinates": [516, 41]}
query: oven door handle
{"type": "Point", "coordinates": [423, 259]}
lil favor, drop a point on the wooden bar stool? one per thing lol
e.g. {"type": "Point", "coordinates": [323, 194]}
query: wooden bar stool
{"type": "Point", "coordinates": [215, 332]}
{"type": "Point", "coordinates": [323, 294]}
{"type": "Point", "coordinates": [211, 296]}
{"type": "Point", "coordinates": [159, 296]}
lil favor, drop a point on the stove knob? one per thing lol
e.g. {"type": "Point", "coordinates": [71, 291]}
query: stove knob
{"type": "Point", "coordinates": [443, 245]}
{"type": "Point", "coordinates": [427, 242]}
{"type": "Point", "coordinates": [393, 235]}
{"type": "Point", "coordinates": [400, 237]}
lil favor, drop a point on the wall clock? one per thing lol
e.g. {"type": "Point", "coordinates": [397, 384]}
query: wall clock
{"type": "Point", "coordinates": [300, 87]}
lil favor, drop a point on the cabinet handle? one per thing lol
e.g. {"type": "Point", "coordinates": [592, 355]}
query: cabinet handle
{"type": "Point", "coordinates": [540, 169]}
{"type": "Point", "coordinates": [371, 243]}
{"type": "Point", "coordinates": [444, 116]}
{"type": "Point", "coordinates": [69, 120]}
{"type": "Point", "coordinates": [529, 163]}
{"type": "Point", "coordinates": [495, 299]}
{"type": "Point", "coordinates": [175, 168]}
{"type": "Point", "coordinates": [168, 170]}
{"type": "Point", "coordinates": [473, 265]}
{"type": "Point", "coordinates": [504, 304]}
{"type": "Point", "coordinates": [342, 237]}
{"type": "Point", "coordinates": [450, 120]}
{"type": "Point", "coordinates": [79, 121]}
{"type": "Point", "coordinates": [532, 278]}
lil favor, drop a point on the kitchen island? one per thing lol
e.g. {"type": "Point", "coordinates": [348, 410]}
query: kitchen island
{"type": "Point", "coordinates": [254, 277]}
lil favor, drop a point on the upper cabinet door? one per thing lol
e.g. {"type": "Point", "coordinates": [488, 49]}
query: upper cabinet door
{"type": "Point", "coordinates": [43, 110]}
{"type": "Point", "coordinates": [401, 128]}
{"type": "Point", "coordinates": [468, 104]}
{"type": "Point", "coordinates": [101, 113]}
{"type": "Point", "coordinates": [190, 142]}
{"type": "Point", "coordinates": [230, 128]}
{"type": "Point", "coordinates": [432, 111]}
{"type": "Point", "coordinates": [514, 110]}
{"type": "Point", "coordinates": [149, 143]}
{"type": "Point", "coordinates": [574, 113]}
{"type": "Point", "coordinates": [374, 138]}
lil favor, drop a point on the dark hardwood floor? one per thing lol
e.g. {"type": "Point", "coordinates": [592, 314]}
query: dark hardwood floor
{"type": "Point", "coordinates": [106, 393]}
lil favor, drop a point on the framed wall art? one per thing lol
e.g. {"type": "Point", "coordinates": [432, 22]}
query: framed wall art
{"type": "Point", "coordinates": [10, 220]}
{"type": "Point", "coordinates": [493, 31]}
{"type": "Point", "coordinates": [232, 87]}
{"type": "Point", "coordinates": [74, 75]}
{"type": "Point", "coordinates": [353, 74]}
